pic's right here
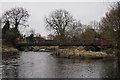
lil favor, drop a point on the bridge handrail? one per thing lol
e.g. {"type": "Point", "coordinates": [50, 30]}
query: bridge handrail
{"type": "Point", "coordinates": [58, 42]}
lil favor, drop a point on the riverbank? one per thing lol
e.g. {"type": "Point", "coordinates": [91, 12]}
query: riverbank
{"type": "Point", "coordinates": [80, 53]}
{"type": "Point", "coordinates": [66, 52]}
{"type": "Point", "coordinates": [9, 49]}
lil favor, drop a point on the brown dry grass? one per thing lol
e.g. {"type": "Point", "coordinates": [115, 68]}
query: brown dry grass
{"type": "Point", "coordinates": [80, 53]}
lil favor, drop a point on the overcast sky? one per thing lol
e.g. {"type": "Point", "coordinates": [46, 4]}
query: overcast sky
{"type": "Point", "coordinates": [83, 11]}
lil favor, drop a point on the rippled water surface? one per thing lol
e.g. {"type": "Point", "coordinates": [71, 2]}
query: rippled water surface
{"type": "Point", "coordinates": [43, 65]}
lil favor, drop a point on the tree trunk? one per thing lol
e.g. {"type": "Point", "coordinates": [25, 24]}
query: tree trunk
{"type": "Point", "coordinates": [17, 31]}
{"type": "Point", "coordinates": [16, 25]}
{"type": "Point", "coordinates": [62, 35]}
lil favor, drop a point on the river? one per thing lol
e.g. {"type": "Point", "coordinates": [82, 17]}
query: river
{"type": "Point", "coordinates": [44, 65]}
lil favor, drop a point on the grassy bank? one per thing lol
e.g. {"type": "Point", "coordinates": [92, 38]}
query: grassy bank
{"type": "Point", "coordinates": [79, 52]}
{"type": "Point", "coordinates": [9, 49]}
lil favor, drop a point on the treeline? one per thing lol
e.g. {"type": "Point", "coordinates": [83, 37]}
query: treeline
{"type": "Point", "coordinates": [64, 26]}
{"type": "Point", "coordinates": [78, 31]}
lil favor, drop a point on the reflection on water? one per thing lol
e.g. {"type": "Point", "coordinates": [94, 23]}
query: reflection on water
{"type": "Point", "coordinates": [118, 68]}
{"type": "Point", "coordinates": [43, 65]}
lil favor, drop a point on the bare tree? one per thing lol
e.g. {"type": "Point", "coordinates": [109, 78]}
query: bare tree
{"type": "Point", "coordinates": [58, 21]}
{"type": "Point", "coordinates": [75, 30]}
{"type": "Point", "coordinates": [95, 25]}
{"type": "Point", "coordinates": [16, 16]}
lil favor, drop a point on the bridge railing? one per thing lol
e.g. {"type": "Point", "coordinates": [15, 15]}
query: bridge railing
{"type": "Point", "coordinates": [63, 42]}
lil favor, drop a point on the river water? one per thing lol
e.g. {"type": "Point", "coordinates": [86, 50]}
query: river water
{"type": "Point", "coordinates": [44, 65]}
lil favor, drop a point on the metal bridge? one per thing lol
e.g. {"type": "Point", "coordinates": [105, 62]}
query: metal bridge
{"type": "Point", "coordinates": [60, 43]}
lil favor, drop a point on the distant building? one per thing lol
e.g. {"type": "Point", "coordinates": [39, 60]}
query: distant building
{"type": "Point", "coordinates": [37, 39]}
{"type": "Point", "coordinates": [50, 37]}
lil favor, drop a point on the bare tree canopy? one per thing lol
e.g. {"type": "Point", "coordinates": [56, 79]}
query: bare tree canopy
{"type": "Point", "coordinates": [75, 30]}
{"type": "Point", "coordinates": [95, 25]}
{"type": "Point", "coordinates": [58, 21]}
{"type": "Point", "coordinates": [16, 16]}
